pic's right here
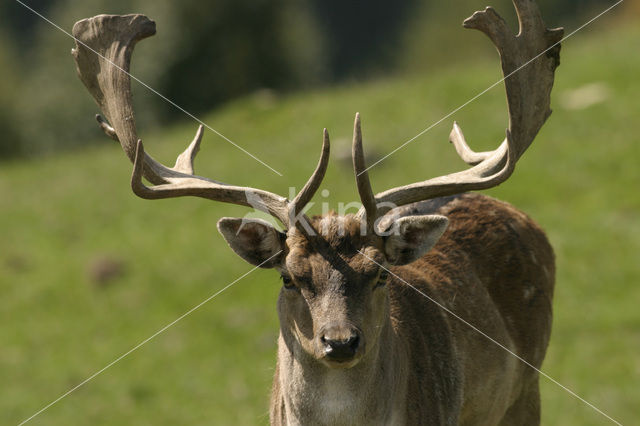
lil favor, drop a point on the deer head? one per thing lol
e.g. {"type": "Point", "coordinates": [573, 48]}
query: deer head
{"type": "Point", "coordinates": [333, 303]}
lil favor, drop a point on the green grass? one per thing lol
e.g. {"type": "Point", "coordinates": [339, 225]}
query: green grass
{"type": "Point", "coordinates": [579, 180]}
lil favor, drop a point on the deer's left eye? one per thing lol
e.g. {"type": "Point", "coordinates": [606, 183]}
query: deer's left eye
{"type": "Point", "coordinates": [382, 278]}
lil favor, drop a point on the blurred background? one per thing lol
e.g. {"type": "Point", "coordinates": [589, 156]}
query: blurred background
{"type": "Point", "coordinates": [207, 54]}
{"type": "Point", "coordinates": [87, 270]}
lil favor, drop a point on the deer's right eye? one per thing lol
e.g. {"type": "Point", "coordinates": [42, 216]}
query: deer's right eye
{"type": "Point", "coordinates": [287, 282]}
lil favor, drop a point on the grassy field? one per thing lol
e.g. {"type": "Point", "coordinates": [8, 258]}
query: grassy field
{"type": "Point", "coordinates": [87, 270]}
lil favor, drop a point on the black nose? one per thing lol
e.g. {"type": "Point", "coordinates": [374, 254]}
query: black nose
{"type": "Point", "coordinates": [340, 346]}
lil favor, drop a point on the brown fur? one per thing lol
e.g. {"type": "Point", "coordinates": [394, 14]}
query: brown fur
{"type": "Point", "coordinates": [493, 267]}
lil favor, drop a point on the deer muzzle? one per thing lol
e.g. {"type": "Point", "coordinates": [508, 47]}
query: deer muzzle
{"type": "Point", "coordinates": [341, 345]}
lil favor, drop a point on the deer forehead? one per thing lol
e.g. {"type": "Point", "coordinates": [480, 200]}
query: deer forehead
{"type": "Point", "coordinates": [341, 255]}
{"type": "Point", "coordinates": [336, 230]}
{"type": "Point", "coordinates": [313, 266]}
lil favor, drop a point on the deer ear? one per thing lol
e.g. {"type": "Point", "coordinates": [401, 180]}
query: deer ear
{"type": "Point", "coordinates": [254, 240]}
{"type": "Point", "coordinates": [410, 237]}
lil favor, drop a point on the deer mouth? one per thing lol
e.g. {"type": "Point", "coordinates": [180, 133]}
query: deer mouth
{"type": "Point", "coordinates": [341, 358]}
{"type": "Point", "coordinates": [340, 364]}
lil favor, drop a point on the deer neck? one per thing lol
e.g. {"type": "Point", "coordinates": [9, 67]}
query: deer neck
{"type": "Point", "coordinates": [371, 392]}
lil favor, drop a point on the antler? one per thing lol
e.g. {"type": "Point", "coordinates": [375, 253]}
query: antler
{"type": "Point", "coordinates": [529, 60]}
{"type": "Point", "coordinates": [104, 45]}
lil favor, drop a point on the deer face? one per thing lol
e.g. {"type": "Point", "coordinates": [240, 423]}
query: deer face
{"type": "Point", "coordinates": [333, 303]}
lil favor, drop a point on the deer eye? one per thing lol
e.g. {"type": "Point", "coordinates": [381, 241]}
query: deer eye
{"type": "Point", "coordinates": [287, 282]}
{"type": "Point", "coordinates": [382, 278]}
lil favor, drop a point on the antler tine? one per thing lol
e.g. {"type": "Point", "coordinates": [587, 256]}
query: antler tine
{"type": "Point", "coordinates": [309, 189]}
{"type": "Point", "coordinates": [529, 60]}
{"type": "Point", "coordinates": [104, 45]}
{"type": "Point", "coordinates": [469, 156]}
{"type": "Point", "coordinates": [184, 162]}
{"type": "Point", "coordinates": [106, 128]}
{"type": "Point", "coordinates": [362, 176]}
{"type": "Point", "coordinates": [190, 185]}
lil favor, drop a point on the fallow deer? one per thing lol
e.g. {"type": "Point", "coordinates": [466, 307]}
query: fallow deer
{"type": "Point", "coordinates": [375, 307]}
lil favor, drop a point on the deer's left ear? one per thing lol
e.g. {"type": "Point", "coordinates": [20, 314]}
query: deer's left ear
{"type": "Point", "coordinates": [254, 240]}
{"type": "Point", "coordinates": [410, 237]}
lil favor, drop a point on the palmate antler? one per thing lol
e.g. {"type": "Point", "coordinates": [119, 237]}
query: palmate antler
{"type": "Point", "coordinates": [104, 45]}
{"type": "Point", "coordinates": [528, 89]}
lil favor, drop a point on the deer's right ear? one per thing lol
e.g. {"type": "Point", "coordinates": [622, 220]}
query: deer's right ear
{"type": "Point", "coordinates": [254, 240]}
